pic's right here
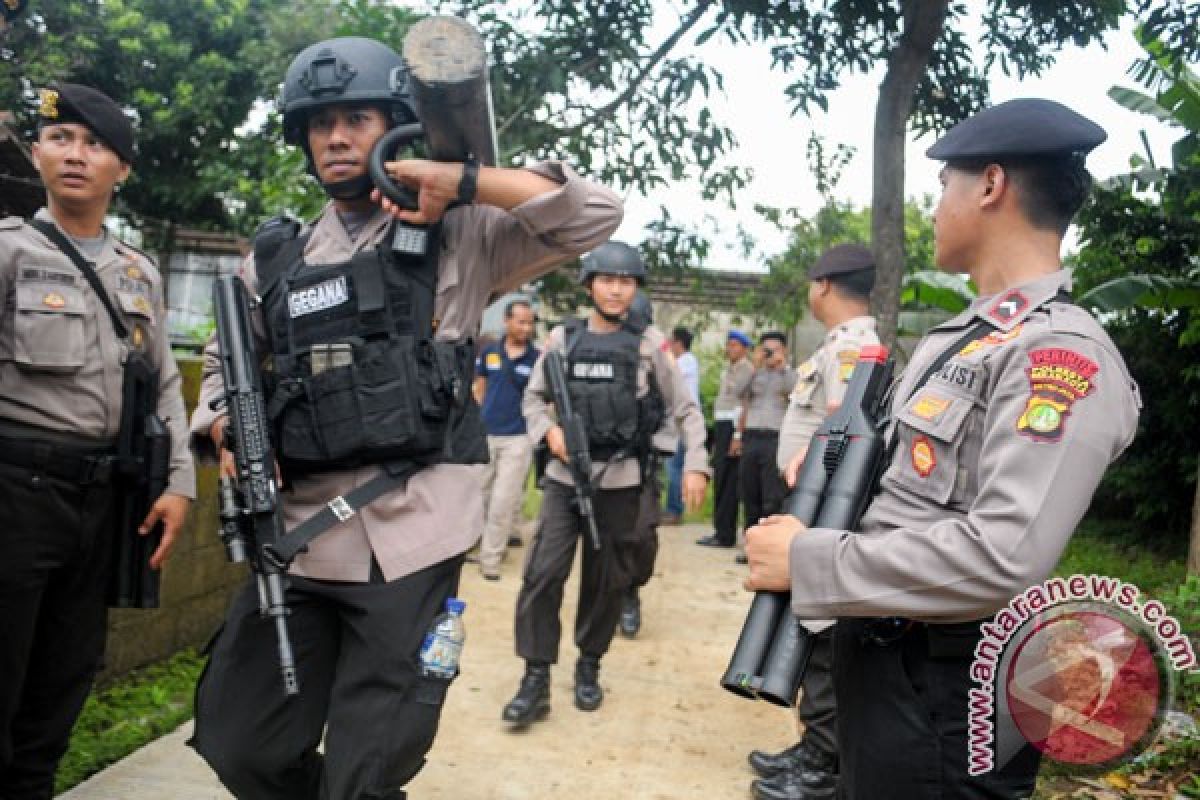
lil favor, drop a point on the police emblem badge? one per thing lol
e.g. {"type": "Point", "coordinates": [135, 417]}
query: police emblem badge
{"type": "Point", "coordinates": [54, 300]}
{"type": "Point", "coordinates": [48, 107]}
{"type": "Point", "coordinates": [924, 460]}
{"type": "Point", "coordinates": [1057, 379]}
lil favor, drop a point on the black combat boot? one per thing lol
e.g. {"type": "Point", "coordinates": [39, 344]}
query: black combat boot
{"type": "Point", "coordinates": [813, 777]}
{"type": "Point", "coordinates": [631, 614]}
{"type": "Point", "coordinates": [588, 694]}
{"type": "Point", "coordinates": [768, 764]}
{"type": "Point", "coordinates": [532, 700]}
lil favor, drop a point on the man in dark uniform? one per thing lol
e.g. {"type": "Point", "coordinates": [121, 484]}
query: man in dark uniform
{"type": "Point", "coordinates": [61, 377]}
{"type": "Point", "coordinates": [626, 387]}
{"type": "Point", "coordinates": [643, 549]}
{"type": "Point", "coordinates": [726, 454]}
{"type": "Point", "coordinates": [367, 590]}
{"type": "Point", "coordinates": [1005, 420]}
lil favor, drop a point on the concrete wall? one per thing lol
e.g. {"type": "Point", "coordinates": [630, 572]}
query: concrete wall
{"type": "Point", "coordinates": [197, 581]}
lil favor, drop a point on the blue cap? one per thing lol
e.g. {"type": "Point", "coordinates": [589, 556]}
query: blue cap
{"type": "Point", "coordinates": [740, 337]}
{"type": "Point", "coordinates": [455, 606]}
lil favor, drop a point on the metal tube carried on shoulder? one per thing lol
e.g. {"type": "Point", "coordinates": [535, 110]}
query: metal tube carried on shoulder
{"type": "Point", "coordinates": [835, 485]}
{"type": "Point", "coordinates": [448, 78]}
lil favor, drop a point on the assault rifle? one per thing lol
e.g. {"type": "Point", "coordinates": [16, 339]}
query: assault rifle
{"type": "Point", "coordinates": [251, 523]}
{"type": "Point", "coordinates": [836, 482]}
{"type": "Point", "coordinates": [580, 460]}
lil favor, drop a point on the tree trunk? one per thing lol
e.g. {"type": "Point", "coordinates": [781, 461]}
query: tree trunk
{"type": "Point", "coordinates": [1193, 563]}
{"type": "Point", "coordinates": [923, 22]}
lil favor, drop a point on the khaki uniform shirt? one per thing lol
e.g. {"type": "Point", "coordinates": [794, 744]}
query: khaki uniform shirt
{"type": "Point", "coordinates": [766, 397]}
{"type": "Point", "coordinates": [61, 363]}
{"type": "Point", "coordinates": [681, 410]}
{"type": "Point", "coordinates": [996, 461]}
{"type": "Point", "coordinates": [486, 252]}
{"type": "Point", "coordinates": [821, 384]}
{"type": "Point", "coordinates": [735, 378]}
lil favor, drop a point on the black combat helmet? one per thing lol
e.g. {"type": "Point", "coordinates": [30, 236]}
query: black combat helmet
{"type": "Point", "coordinates": [613, 258]}
{"type": "Point", "coordinates": [350, 69]}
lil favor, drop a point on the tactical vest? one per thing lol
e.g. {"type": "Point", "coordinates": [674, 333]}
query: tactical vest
{"type": "Point", "coordinates": [355, 375]}
{"type": "Point", "coordinates": [602, 372]}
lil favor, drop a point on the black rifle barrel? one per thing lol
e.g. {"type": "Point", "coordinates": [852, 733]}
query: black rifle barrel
{"type": "Point", "coordinates": [833, 489]}
{"type": "Point", "coordinates": [580, 461]}
{"type": "Point", "coordinates": [255, 500]}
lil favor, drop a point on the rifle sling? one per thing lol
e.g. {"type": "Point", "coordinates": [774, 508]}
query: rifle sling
{"type": "Point", "coordinates": [340, 509]}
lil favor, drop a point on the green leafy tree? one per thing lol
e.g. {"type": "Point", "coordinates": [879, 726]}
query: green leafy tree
{"type": "Point", "coordinates": [188, 70]}
{"type": "Point", "coordinates": [1140, 263]}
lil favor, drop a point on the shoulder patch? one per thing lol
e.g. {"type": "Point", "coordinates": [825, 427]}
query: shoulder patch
{"type": "Point", "coordinates": [846, 361]}
{"type": "Point", "coordinates": [1058, 378]}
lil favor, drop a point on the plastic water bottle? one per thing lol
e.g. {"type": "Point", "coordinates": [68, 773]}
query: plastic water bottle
{"type": "Point", "coordinates": [444, 642]}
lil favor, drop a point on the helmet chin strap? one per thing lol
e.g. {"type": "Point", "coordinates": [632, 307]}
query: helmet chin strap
{"type": "Point", "coordinates": [350, 189]}
{"type": "Point", "coordinates": [612, 319]}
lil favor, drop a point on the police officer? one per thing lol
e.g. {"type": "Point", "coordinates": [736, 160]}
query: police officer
{"type": "Point", "coordinates": [765, 401]}
{"type": "Point", "coordinates": [627, 388]}
{"type": "Point", "coordinates": [61, 377]}
{"type": "Point", "coordinates": [726, 456]}
{"type": "Point", "coordinates": [997, 453]}
{"type": "Point", "coordinates": [350, 290]}
{"type": "Point", "coordinates": [643, 549]}
{"type": "Point", "coordinates": [839, 293]}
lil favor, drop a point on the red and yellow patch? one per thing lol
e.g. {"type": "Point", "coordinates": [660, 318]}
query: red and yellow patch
{"type": "Point", "coordinates": [54, 300]}
{"type": "Point", "coordinates": [930, 406]}
{"type": "Point", "coordinates": [846, 361]}
{"type": "Point", "coordinates": [924, 460]}
{"type": "Point", "coordinates": [1057, 379]}
{"type": "Point", "coordinates": [134, 272]}
{"type": "Point", "coordinates": [991, 340]}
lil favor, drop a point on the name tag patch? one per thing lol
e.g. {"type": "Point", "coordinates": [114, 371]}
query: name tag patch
{"type": "Point", "coordinates": [592, 371]}
{"type": "Point", "coordinates": [328, 294]}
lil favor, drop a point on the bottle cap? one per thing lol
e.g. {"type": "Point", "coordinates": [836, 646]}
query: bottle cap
{"type": "Point", "coordinates": [455, 606]}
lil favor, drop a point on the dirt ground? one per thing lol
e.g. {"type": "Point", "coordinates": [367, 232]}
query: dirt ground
{"type": "Point", "coordinates": [666, 731]}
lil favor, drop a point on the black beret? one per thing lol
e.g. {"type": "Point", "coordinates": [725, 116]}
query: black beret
{"type": "Point", "coordinates": [1028, 126]}
{"type": "Point", "coordinates": [841, 259]}
{"type": "Point", "coordinates": [70, 102]}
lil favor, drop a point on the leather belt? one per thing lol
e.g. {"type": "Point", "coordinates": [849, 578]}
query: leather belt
{"type": "Point", "coordinates": [84, 466]}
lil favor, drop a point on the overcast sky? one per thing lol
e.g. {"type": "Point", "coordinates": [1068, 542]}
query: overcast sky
{"type": "Point", "coordinates": [772, 142]}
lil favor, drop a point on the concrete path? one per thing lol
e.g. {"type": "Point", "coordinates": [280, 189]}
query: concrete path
{"type": "Point", "coordinates": [666, 730]}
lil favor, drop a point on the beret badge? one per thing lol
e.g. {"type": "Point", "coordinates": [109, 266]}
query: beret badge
{"type": "Point", "coordinates": [49, 105]}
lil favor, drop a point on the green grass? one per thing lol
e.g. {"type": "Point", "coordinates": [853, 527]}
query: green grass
{"type": "Point", "coordinates": [1093, 550]}
{"type": "Point", "coordinates": [133, 711]}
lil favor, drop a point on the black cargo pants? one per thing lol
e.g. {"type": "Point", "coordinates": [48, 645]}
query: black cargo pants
{"type": "Point", "coordinates": [603, 580]}
{"type": "Point", "coordinates": [356, 649]}
{"type": "Point", "coordinates": [902, 719]}
{"type": "Point", "coordinates": [642, 552]}
{"type": "Point", "coordinates": [55, 538]}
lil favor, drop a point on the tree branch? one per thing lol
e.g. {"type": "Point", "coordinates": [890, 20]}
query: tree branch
{"type": "Point", "coordinates": [668, 44]}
